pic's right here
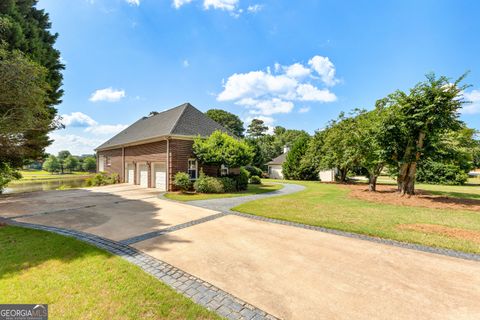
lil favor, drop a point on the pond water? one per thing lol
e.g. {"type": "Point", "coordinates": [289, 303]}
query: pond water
{"type": "Point", "coordinates": [30, 186]}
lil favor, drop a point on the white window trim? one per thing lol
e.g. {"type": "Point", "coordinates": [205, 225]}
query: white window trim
{"type": "Point", "coordinates": [224, 167]}
{"type": "Point", "coordinates": [196, 168]}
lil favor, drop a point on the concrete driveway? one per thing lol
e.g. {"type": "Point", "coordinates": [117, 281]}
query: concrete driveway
{"type": "Point", "coordinates": [115, 212]}
{"type": "Point", "coordinates": [289, 272]}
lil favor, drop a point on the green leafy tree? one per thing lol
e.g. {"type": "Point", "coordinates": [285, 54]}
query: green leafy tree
{"type": "Point", "coordinates": [313, 154]}
{"type": "Point", "coordinates": [51, 164]}
{"type": "Point", "coordinates": [62, 156]}
{"type": "Point", "coordinates": [258, 159]}
{"type": "Point", "coordinates": [7, 174]}
{"type": "Point", "coordinates": [339, 149]}
{"type": "Point", "coordinates": [30, 81]}
{"type": "Point", "coordinates": [367, 137]}
{"type": "Point", "coordinates": [22, 95]}
{"type": "Point", "coordinates": [293, 168]}
{"type": "Point", "coordinates": [70, 163]}
{"type": "Point", "coordinates": [257, 128]}
{"type": "Point", "coordinates": [89, 164]}
{"type": "Point", "coordinates": [228, 120]}
{"type": "Point", "coordinates": [449, 158]}
{"type": "Point", "coordinates": [221, 148]}
{"type": "Point", "coordinates": [416, 119]}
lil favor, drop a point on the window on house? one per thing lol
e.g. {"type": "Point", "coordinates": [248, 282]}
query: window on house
{"type": "Point", "coordinates": [223, 170]}
{"type": "Point", "coordinates": [108, 161]}
{"type": "Point", "coordinates": [192, 169]}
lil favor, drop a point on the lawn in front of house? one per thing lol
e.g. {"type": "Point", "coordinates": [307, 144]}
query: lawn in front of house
{"type": "Point", "coordinates": [330, 206]}
{"type": "Point", "coordinates": [79, 281]}
{"type": "Point", "coordinates": [251, 190]}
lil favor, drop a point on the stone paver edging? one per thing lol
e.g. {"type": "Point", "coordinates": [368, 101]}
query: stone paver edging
{"type": "Point", "coordinates": [201, 292]}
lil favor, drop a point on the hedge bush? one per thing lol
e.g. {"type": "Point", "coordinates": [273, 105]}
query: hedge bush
{"type": "Point", "coordinates": [255, 180]}
{"type": "Point", "coordinates": [182, 181]}
{"type": "Point", "coordinates": [229, 185]}
{"type": "Point", "coordinates": [241, 180]}
{"type": "Point", "coordinates": [206, 184]}
{"type": "Point", "coordinates": [253, 171]}
{"type": "Point", "coordinates": [102, 179]}
{"type": "Point", "coordinates": [441, 173]}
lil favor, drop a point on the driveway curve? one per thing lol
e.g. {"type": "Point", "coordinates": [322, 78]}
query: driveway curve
{"type": "Point", "coordinates": [225, 204]}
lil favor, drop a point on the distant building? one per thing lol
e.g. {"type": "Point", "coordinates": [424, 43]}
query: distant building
{"type": "Point", "coordinates": [275, 169]}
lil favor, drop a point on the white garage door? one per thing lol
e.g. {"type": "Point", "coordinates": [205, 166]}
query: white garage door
{"type": "Point", "coordinates": [130, 173]}
{"type": "Point", "coordinates": [143, 175]}
{"type": "Point", "coordinates": [160, 176]}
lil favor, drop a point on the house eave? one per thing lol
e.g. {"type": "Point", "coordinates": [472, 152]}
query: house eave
{"type": "Point", "coordinates": [144, 141]}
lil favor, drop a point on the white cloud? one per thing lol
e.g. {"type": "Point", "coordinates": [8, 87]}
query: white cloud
{"type": "Point", "coordinates": [76, 144]}
{"type": "Point", "coordinates": [255, 84]}
{"type": "Point", "coordinates": [297, 70]}
{"type": "Point", "coordinates": [178, 3]}
{"type": "Point", "coordinates": [107, 94]}
{"type": "Point", "coordinates": [254, 8]}
{"type": "Point", "coordinates": [304, 110]}
{"type": "Point", "coordinates": [325, 69]}
{"type": "Point", "coordinates": [106, 129]}
{"type": "Point", "coordinates": [267, 107]}
{"type": "Point", "coordinates": [133, 2]}
{"type": "Point", "coordinates": [77, 119]}
{"type": "Point", "coordinates": [266, 93]}
{"type": "Point", "coordinates": [228, 5]}
{"type": "Point", "coordinates": [474, 106]}
{"type": "Point", "coordinates": [307, 92]}
{"type": "Point", "coordinates": [186, 63]}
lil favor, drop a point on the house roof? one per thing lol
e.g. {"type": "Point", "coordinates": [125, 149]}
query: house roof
{"type": "Point", "coordinates": [279, 160]}
{"type": "Point", "coordinates": [184, 120]}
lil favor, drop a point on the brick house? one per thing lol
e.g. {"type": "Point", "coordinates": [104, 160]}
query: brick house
{"type": "Point", "coordinates": [153, 149]}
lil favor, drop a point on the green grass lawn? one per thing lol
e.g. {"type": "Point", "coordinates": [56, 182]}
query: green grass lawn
{"type": "Point", "coordinates": [79, 281]}
{"type": "Point", "coordinates": [252, 189]}
{"type": "Point", "coordinates": [42, 176]}
{"type": "Point", "coordinates": [328, 205]}
{"type": "Point", "coordinates": [471, 190]}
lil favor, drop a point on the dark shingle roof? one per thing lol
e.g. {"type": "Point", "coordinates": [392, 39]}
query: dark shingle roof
{"type": "Point", "coordinates": [279, 160]}
{"type": "Point", "coordinates": [184, 120]}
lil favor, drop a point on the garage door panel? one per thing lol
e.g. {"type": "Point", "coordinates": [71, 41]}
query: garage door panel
{"type": "Point", "coordinates": [143, 175]}
{"type": "Point", "coordinates": [130, 173]}
{"type": "Point", "coordinates": [160, 176]}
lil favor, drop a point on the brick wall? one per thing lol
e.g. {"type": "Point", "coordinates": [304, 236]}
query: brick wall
{"type": "Point", "coordinates": [115, 157]}
{"type": "Point", "coordinates": [148, 152]}
{"type": "Point", "coordinates": [180, 152]}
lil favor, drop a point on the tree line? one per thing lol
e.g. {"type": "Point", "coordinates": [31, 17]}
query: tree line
{"type": "Point", "coordinates": [412, 136]}
{"type": "Point", "coordinates": [66, 162]}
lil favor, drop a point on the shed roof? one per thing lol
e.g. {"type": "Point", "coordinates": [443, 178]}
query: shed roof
{"type": "Point", "coordinates": [279, 160]}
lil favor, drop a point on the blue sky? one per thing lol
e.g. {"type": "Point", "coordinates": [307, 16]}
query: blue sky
{"type": "Point", "coordinates": [292, 63]}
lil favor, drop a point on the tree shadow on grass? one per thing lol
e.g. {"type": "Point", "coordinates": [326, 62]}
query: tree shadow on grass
{"type": "Point", "coordinates": [422, 198]}
{"type": "Point", "coordinates": [120, 214]}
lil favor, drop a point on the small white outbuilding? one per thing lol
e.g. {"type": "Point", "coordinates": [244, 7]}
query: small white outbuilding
{"type": "Point", "coordinates": [275, 169]}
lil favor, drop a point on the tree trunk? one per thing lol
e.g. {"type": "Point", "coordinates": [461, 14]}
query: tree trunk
{"type": "Point", "coordinates": [372, 183]}
{"type": "Point", "coordinates": [343, 175]}
{"type": "Point", "coordinates": [408, 170]}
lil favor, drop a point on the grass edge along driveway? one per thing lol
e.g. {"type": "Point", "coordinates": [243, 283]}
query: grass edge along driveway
{"type": "Point", "coordinates": [252, 190]}
{"type": "Point", "coordinates": [329, 206]}
{"type": "Point", "coordinates": [80, 281]}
